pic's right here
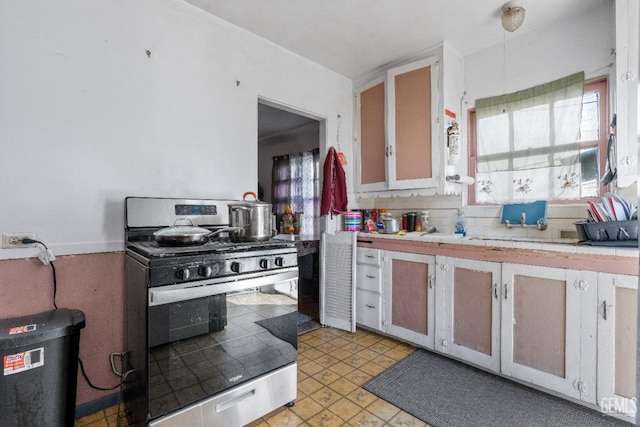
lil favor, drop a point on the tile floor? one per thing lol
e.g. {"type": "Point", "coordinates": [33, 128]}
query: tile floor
{"type": "Point", "coordinates": [332, 367]}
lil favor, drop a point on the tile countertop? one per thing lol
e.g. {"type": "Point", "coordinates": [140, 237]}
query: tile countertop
{"type": "Point", "coordinates": [568, 246]}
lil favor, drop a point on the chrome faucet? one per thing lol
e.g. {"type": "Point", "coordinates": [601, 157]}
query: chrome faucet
{"type": "Point", "coordinates": [540, 223]}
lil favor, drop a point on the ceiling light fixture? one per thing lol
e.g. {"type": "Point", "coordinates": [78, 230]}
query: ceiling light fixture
{"type": "Point", "coordinates": [512, 16]}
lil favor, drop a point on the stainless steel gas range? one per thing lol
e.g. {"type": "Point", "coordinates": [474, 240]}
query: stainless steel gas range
{"type": "Point", "coordinates": [211, 329]}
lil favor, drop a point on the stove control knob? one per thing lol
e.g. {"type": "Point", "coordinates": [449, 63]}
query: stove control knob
{"type": "Point", "coordinates": [235, 267]}
{"type": "Point", "coordinates": [215, 269]}
{"type": "Point", "coordinates": [205, 271]}
{"type": "Point", "coordinates": [280, 261]}
{"type": "Point", "coordinates": [183, 273]}
{"type": "Point", "coordinates": [264, 264]}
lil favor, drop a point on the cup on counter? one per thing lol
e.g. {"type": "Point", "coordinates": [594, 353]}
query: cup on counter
{"type": "Point", "coordinates": [411, 221]}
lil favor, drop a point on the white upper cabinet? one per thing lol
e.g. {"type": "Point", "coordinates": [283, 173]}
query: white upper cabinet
{"type": "Point", "coordinates": [412, 125]}
{"type": "Point", "coordinates": [400, 139]}
{"type": "Point", "coordinates": [627, 90]}
{"type": "Point", "coordinates": [371, 166]}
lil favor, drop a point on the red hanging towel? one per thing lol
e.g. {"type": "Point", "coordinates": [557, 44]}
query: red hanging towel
{"type": "Point", "coordinates": [334, 186]}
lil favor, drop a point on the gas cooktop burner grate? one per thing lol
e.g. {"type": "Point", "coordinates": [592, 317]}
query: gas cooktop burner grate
{"type": "Point", "coordinates": [153, 249]}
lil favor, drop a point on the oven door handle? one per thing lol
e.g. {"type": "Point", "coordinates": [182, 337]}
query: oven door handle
{"type": "Point", "coordinates": [187, 291]}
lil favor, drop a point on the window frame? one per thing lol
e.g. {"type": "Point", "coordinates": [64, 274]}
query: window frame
{"type": "Point", "coordinates": [599, 84]}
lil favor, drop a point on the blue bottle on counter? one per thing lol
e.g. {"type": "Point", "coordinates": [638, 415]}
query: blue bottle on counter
{"type": "Point", "coordinates": [461, 224]}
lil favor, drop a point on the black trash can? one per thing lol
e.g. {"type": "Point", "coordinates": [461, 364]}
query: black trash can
{"type": "Point", "coordinates": [40, 368]}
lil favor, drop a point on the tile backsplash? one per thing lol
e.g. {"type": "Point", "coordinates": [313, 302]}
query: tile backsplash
{"type": "Point", "coordinates": [485, 220]}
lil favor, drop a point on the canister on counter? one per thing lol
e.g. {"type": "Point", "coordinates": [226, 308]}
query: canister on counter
{"type": "Point", "coordinates": [352, 221]}
{"type": "Point", "coordinates": [424, 220]}
{"type": "Point", "coordinates": [411, 221]}
{"type": "Point", "coordinates": [404, 222]}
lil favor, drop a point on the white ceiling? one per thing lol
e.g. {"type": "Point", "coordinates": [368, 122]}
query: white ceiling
{"type": "Point", "coordinates": [358, 37]}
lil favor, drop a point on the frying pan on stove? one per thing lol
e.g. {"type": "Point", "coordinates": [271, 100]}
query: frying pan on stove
{"type": "Point", "coordinates": [186, 235]}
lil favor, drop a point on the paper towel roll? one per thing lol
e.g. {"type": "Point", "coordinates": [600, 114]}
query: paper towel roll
{"type": "Point", "coordinates": [461, 179]}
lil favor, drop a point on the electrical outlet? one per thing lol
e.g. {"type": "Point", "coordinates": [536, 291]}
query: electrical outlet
{"type": "Point", "coordinates": [14, 240]}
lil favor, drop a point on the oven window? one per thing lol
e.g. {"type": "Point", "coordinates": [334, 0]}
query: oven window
{"type": "Point", "coordinates": [201, 347]}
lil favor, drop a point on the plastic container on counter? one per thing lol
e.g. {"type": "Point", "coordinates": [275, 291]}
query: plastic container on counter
{"type": "Point", "coordinates": [352, 221]}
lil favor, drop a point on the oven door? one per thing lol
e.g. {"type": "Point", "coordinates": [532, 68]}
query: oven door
{"type": "Point", "coordinates": [205, 339]}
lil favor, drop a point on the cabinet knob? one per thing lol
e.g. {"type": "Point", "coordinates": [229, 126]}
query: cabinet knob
{"type": "Point", "coordinates": [581, 285]}
{"type": "Point", "coordinates": [370, 306]}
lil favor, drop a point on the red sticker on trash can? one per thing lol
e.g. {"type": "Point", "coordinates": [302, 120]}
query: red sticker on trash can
{"type": "Point", "coordinates": [23, 361]}
{"type": "Point", "coordinates": [22, 329]}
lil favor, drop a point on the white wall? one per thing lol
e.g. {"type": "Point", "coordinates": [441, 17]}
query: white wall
{"type": "Point", "coordinates": [87, 117]}
{"type": "Point", "coordinates": [581, 43]}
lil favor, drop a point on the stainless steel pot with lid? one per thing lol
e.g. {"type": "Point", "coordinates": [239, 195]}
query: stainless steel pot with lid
{"type": "Point", "coordinates": [390, 224]}
{"type": "Point", "coordinates": [251, 218]}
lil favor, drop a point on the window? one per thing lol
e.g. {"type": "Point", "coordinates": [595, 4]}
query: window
{"type": "Point", "coordinates": [541, 143]}
{"type": "Point", "coordinates": [296, 182]}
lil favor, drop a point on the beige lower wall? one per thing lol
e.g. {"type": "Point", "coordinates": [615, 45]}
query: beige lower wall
{"type": "Point", "coordinates": [93, 283]}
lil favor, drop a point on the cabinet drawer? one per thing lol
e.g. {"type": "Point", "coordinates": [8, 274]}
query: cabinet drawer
{"type": "Point", "coordinates": [368, 256]}
{"type": "Point", "coordinates": [369, 309]}
{"type": "Point", "coordinates": [368, 278]}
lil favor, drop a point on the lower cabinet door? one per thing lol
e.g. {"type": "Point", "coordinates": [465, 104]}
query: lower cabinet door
{"type": "Point", "coordinates": [369, 309]}
{"type": "Point", "coordinates": [470, 295]}
{"type": "Point", "coordinates": [547, 337]}
{"type": "Point", "coordinates": [617, 320]}
{"type": "Point", "coordinates": [409, 297]}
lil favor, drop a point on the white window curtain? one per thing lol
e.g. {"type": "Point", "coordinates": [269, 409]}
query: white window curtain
{"type": "Point", "coordinates": [528, 143]}
{"type": "Point", "coordinates": [296, 182]}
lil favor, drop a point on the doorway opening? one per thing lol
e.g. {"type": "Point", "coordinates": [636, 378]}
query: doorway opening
{"type": "Point", "coordinates": [291, 138]}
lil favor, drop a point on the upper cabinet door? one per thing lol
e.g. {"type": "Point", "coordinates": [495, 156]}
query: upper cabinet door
{"type": "Point", "coordinates": [412, 102]}
{"type": "Point", "coordinates": [372, 163]}
{"type": "Point", "coordinates": [627, 91]}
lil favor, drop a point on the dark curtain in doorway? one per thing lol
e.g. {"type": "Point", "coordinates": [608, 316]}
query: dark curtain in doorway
{"type": "Point", "coordinates": [296, 182]}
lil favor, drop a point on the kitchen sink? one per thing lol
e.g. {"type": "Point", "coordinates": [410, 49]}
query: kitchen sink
{"type": "Point", "coordinates": [525, 239]}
